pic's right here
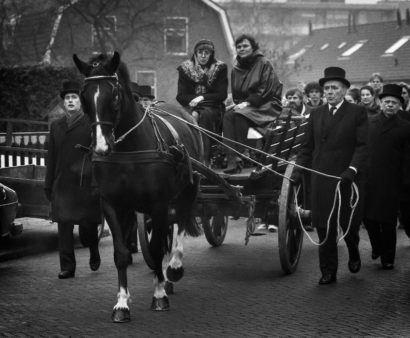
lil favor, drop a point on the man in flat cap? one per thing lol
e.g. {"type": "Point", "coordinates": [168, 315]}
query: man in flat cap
{"type": "Point", "coordinates": [335, 144]}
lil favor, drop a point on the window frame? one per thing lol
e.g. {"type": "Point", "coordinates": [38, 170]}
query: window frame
{"type": "Point", "coordinates": [167, 29]}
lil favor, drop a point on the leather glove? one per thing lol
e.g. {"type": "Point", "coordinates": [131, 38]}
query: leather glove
{"type": "Point", "coordinates": [48, 194]}
{"type": "Point", "coordinates": [347, 177]}
{"type": "Point", "coordinates": [296, 177]}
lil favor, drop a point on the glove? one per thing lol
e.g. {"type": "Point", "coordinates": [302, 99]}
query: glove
{"type": "Point", "coordinates": [194, 102]}
{"type": "Point", "coordinates": [347, 177]}
{"type": "Point", "coordinates": [297, 177]}
{"type": "Point", "coordinates": [48, 194]}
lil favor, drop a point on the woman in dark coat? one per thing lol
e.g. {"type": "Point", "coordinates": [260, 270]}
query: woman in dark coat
{"type": "Point", "coordinates": [389, 138]}
{"type": "Point", "coordinates": [202, 89]}
{"type": "Point", "coordinates": [256, 92]}
{"type": "Point", "coordinates": [68, 183]}
{"type": "Point", "coordinates": [368, 100]}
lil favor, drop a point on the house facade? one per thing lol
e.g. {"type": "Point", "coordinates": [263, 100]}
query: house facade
{"type": "Point", "coordinates": [152, 36]}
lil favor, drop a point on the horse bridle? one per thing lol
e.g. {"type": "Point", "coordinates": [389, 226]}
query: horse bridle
{"type": "Point", "coordinates": [116, 88]}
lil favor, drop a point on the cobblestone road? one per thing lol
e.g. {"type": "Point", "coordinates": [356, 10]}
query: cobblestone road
{"type": "Point", "coordinates": [230, 291]}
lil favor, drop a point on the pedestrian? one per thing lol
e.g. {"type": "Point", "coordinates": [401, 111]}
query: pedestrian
{"type": "Point", "coordinates": [353, 95]}
{"type": "Point", "coordinates": [68, 183]}
{"type": "Point", "coordinates": [295, 104]}
{"type": "Point", "coordinates": [146, 98]}
{"type": "Point", "coordinates": [335, 143]}
{"type": "Point", "coordinates": [256, 92]}
{"type": "Point", "coordinates": [314, 94]}
{"type": "Point", "coordinates": [389, 138]}
{"type": "Point", "coordinates": [376, 82]}
{"type": "Point", "coordinates": [404, 113]}
{"type": "Point", "coordinates": [368, 100]}
{"type": "Point", "coordinates": [202, 89]}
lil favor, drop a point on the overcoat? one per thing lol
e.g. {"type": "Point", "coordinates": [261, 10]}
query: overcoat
{"type": "Point", "coordinates": [256, 82]}
{"type": "Point", "coordinates": [331, 145]}
{"type": "Point", "coordinates": [74, 198]}
{"type": "Point", "coordinates": [388, 162]}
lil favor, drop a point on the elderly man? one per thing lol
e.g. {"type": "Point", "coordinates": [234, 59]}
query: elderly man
{"type": "Point", "coordinates": [389, 138]}
{"type": "Point", "coordinates": [68, 183]}
{"type": "Point", "coordinates": [335, 144]}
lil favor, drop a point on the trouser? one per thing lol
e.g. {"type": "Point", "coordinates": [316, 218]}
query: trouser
{"type": "Point", "coordinates": [235, 127]}
{"type": "Point", "coordinates": [383, 239]}
{"type": "Point", "coordinates": [405, 215]}
{"type": "Point", "coordinates": [88, 236]}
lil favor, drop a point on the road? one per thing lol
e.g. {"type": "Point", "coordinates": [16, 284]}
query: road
{"type": "Point", "coordinates": [230, 291]}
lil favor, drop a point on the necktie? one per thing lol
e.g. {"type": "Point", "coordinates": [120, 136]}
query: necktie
{"type": "Point", "coordinates": [332, 111]}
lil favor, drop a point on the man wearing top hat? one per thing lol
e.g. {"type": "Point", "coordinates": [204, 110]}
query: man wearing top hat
{"type": "Point", "coordinates": [335, 143]}
{"type": "Point", "coordinates": [145, 96]}
{"type": "Point", "coordinates": [68, 184]}
{"type": "Point", "coordinates": [387, 174]}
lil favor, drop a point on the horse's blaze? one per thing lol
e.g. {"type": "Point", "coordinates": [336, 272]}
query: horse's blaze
{"type": "Point", "coordinates": [101, 145]}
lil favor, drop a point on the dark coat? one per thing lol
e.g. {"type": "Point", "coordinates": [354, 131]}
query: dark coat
{"type": "Point", "coordinates": [388, 159]}
{"type": "Point", "coordinates": [257, 83]}
{"type": "Point", "coordinates": [331, 145]}
{"type": "Point", "coordinates": [68, 174]}
{"type": "Point", "coordinates": [216, 87]}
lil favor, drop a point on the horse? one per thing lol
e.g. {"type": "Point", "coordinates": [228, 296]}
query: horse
{"type": "Point", "coordinates": [141, 163]}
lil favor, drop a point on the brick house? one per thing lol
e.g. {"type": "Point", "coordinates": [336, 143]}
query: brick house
{"type": "Point", "coordinates": [361, 50]}
{"type": "Point", "coordinates": [153, 37]}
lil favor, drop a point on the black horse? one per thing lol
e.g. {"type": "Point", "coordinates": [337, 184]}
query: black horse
{"type": "Point", "coordinates": [141, 162]}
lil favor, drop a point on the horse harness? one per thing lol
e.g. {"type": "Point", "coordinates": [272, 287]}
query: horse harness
{"type": "Point", "coordinates": [172, 154]}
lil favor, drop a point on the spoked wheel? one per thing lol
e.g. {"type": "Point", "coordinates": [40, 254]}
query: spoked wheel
{"type": "Point", "coordinates": [145, 236]}
{"type": "Point", "coordinates": [290, 233]}
{"type": "Point", "coordinates": [215, 228]}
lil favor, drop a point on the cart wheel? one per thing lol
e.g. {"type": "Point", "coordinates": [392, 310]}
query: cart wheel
{"type": "Point", "coordinates": [145, 235]}
{"type": "Point", "coordinates": [215, 228]}
{"type": "Point", "coordinates": [290, 234]}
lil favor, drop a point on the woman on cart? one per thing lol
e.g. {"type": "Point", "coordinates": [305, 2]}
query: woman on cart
{"type": "Point", "coordinates": [256, 93]}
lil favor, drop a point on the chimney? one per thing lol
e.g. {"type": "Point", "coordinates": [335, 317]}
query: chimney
{"type": "Point", "coordinates": [407, 17]}
{"type": "Point", "coordinates": [310, 28]}
{"type": "Point", "coordinates": [349, 23]}
{"type": "Point", "coordinates": [398, 16]}
{"type": "Point", "coordinates": [354, 22]}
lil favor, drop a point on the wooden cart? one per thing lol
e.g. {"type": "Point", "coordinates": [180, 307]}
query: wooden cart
{"type": "Point", "coordinates": [264, 193]}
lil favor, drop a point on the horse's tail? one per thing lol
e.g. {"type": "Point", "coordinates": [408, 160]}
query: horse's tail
{"type": "Point", "coordinates": [184, 208]}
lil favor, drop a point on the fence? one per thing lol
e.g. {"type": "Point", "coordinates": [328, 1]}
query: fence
{"type": "Point", "coordinates": [20, 148]}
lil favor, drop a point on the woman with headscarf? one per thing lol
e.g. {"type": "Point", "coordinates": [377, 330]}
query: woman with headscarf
{"type": "Point", "coordinates": [202, 89]}
{"type": "Point", "coordinates": [256, 92]}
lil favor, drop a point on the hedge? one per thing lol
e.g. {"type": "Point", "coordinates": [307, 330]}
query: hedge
{"type": "Point", "coordinates": [27, 91]}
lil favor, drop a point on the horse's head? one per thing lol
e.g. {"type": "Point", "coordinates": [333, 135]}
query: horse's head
{"type": "Point", "coordinates": [101, 98]}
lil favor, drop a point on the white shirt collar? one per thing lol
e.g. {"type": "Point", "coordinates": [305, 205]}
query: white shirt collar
{"type": "Point", "coordinates": [337, 106]}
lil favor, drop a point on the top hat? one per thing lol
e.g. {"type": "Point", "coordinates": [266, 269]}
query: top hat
{"type": "Point", "coordinates": [70, 86]}
{"type": "Point", "coordinates": [335, 74]}
{"type": "Point", "coordinates": [145, 91]}
{"type": "Point", "coordinates": [392, 90]}
{"type": "Point", "coordinates": [135, 89]}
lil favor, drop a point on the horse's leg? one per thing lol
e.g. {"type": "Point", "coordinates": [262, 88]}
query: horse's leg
{"type": "Point", "coordinates": [122, 259]}
{"type": "Point", "coordinates": [175, 269]}
{"type": "Point", "coordinates": [158, 244]}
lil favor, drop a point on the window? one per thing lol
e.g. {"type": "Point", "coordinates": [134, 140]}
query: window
{"type": "Point", "coordinates": [396, 45]}
{"type": "Point", "coordinates": [341, 45]}
{"type": "Point", "coordinates": [324, 46]}
{"type": "Point", "coordinates": [105, 26]}
{"type": "Point", "coordinates": [176, 35]}
{"type": "Point", "coordinates": [148, 78]}
{"type": "Point", "coordinates": [354, 48]}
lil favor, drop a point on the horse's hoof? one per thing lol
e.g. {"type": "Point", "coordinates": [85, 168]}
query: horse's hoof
{"type": "Point", "coordinates": [174, 275]}
{"type": "Point", "coordinates": [160, 304]}
{"type": "Point", "coordinates": [169, 288]}
{"type": "Point", "coordinates": [121, 315]}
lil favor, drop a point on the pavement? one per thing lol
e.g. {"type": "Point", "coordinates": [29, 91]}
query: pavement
{"type": "Point", "coordinates": [230, 291]}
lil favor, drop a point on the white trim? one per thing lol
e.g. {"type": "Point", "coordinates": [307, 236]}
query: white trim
{"type": "Point", "coordinates": [396, 45]}
{"type": "Point", "coordinates": [223, 17]}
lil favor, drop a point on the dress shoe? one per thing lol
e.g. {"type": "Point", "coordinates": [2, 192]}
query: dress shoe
{"type": "Point", "coordinates": [387, 266]}
{"type": "Point", "coordinates": [354, 266]}
{"type": "Point", "coordinates": [95, 259]}
{"type": "Point", "coordinates": [66, 274]}
{"type": "Point", "coordinates": [327, 278]}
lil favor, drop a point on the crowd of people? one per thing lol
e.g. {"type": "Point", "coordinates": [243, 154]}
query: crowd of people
{"type": "Point", "coordinates": [358, 135]}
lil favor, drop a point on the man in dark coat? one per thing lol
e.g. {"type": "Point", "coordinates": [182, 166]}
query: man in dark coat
{"type": "Point", "coordinates": [68, 183]}
{"type": "Point", "coordinates": [389, 138]}
{"type": "Point", "coordinates": [335, 144]}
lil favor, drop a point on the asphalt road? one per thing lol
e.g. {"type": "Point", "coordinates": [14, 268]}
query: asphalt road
{"type": "Point", "coordinates": [230, 291]}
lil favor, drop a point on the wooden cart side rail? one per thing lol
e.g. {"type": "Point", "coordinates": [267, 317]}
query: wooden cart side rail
{"type": "Point", "coordinates": [230, 190]}
{"type": "Point", "coordinates": [13, 156]}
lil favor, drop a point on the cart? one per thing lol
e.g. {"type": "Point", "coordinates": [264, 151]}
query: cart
{"type": "Point", "coordinates": [265, 192]}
